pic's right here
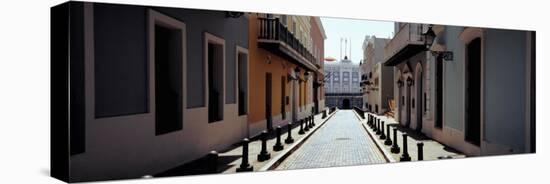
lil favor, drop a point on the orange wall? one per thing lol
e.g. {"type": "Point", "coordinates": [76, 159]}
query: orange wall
{"type": "Point", "coordinates": [257, 71]}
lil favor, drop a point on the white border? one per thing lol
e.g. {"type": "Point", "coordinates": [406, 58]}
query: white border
{"type": "Point", "coordinates": [27, 105]}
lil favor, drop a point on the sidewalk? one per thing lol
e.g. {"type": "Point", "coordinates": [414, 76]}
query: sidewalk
{"type": "Point", "coordinates": [432, 150]}
{"type": "Point", "coordinates": [229, 160]}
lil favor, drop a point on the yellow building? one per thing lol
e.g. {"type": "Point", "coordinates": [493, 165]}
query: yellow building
{"type": "Point", "coordinates": [281, 70]}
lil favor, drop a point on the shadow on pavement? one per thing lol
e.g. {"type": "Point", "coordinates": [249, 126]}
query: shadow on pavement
{"type": "Point", "coordinates": [411, 133]}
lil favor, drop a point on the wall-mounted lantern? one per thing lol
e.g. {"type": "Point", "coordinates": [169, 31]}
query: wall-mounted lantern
{"type": "Point", "coordinates": [296, 75]}
{"type": "Point", "coordinates": [410, 82]}
{"type": "Point", "coordinates": [399, 83]}
{"type": "Point", "coordinates": [290, 78]}
{"type": "Point", "coordinates": [317, 84]}
{"type": "Point", "coordinates": [306, 75]}
{"type": "Point", "coordinates": [429, 38]}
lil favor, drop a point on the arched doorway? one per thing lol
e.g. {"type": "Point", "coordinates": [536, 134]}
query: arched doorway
{"type": "Point", "coordinates": [473, 92]}
{"type": "Point", "coordinates": [472, 38]}
{"type": "Point", "coordinates": [346, 104]}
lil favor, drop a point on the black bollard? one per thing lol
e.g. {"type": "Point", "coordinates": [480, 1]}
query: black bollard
{"type": "Point", "coordinates": [306, 126]}
{"type": "Point", "coordinates": [245, 166]}
{"type": "Point", "coordinates": [289, 138]}
{"type": "Point", "coordinates": [324, 114]}
{"type": "Point", "coordinates": [388, 141]}
{"type": "Point", "coordinates": [212, 162]}
{"type": "Point", "coordinates": [378, 128]}
{"type": "Point", "coordinates": [313, 120]}
{"type": "Point", "coordinates": [301, 127]}
{"type": "Point", "coordinates": [382, 134]}
{"type": "Point", "coordinates": [395, 148]}
{"type": "Point", "coordinates": [278, 146]}
{"type": "Point", "coordinates": [420, 146]}
{"type": "Point", "coordinates": [264, 155]}
{"type": "Point", "coordinates": [310, 121]}
{"type": "Point", "coordinates": [405, 156]}
{"type": "Point", "coordinates": [370, 121]}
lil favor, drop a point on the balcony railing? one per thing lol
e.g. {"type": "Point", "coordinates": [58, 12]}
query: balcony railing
{"type": "Point", "coordinates": [271, 29]}
{"type": "Point", "coordinates": [409, 34]}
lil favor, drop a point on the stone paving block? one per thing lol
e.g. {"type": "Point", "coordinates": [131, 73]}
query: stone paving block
{"type": "Point", "coordinates": [340, 142]}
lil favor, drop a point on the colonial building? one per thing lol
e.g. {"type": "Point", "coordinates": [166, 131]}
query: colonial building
{"type": "Point", "coordinates": [285, 63]}
{"type": "Point", "coordinates": [150, 88]}
{"type": "Point", "coordinates": [318, 36]}
{"type": "Point", "coordinates": [377, 79]}
{"type": "Point", "coordinates": [469, 88]}
{"type": "Point", "coordinates": [342, 88]}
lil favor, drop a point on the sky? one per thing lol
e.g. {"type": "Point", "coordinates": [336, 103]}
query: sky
{"type": "Point", "coordinates": [355, 31]}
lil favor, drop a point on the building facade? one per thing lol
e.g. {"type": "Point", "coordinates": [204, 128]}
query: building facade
{"type": "Point", "coordinates": [377, 79]}
{"type": "Point", "coordinates": [318, 49]}
{"type": "Point", "coordinates": [472, 89]}
{"type": "Point", "coordinates": [152, 88]}
{"type": "Point", "coordinates": [342, 88]}
{"type": "Point", "coordinates": [149, 86]}
{"type": "Point", "coordinates": [283, 69]}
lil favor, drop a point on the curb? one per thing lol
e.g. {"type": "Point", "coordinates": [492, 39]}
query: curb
{"type": "Point", "coordinates": [387, 155]}
{"type": "Point", "coordinates": [281, 157]}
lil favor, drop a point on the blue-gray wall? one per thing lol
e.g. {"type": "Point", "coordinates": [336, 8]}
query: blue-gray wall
{"type": "Point", "coordinates": [233, 30]}
{"type": "Point", "coordinates": [453, 77]}
{"type": "Point", "coordinates": [504, 70]}
{"type": "Point", "coordinates": [505, 87]}
{"type": "Point", "coordinates": [121, 54]}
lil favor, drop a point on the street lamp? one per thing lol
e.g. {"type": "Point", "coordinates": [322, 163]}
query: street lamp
{"type": "Point", "coordinates": [296, 75]}
{"type": "Point", "coordinates": [429, 38]}
{"type": "Point", "coordinates": [319, 83]}
{"type": "Point", "coordinates": [410, 82]}
{"type": "Point", "coordinates": [399, 83]}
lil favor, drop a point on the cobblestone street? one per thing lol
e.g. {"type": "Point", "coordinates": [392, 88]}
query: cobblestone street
{"type": "Point", "coordinates": [340, 142]}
